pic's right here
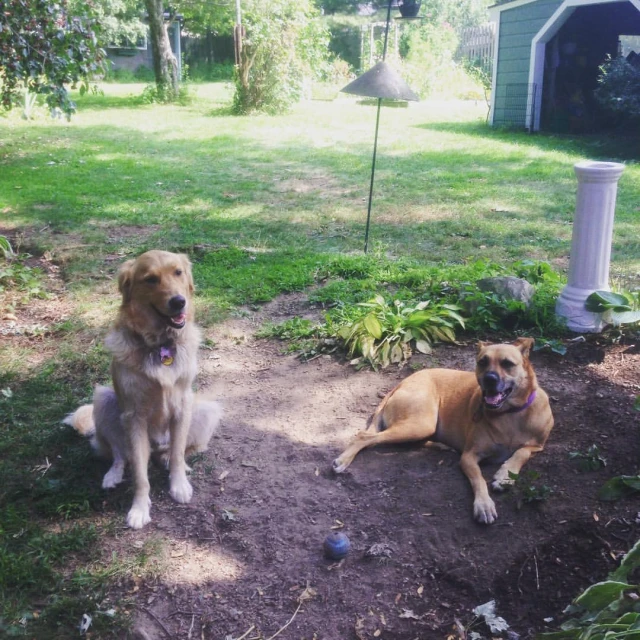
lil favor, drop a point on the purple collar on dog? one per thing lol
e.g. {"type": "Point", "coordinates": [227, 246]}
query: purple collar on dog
{"type": "Point", "coordinates": [167, 355]}
{"type": "Point", "coordinates": [526, 405]}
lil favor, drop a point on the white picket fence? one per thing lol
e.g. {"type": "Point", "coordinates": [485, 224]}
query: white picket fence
{"type": "Point", "coordinates": [476, 43]}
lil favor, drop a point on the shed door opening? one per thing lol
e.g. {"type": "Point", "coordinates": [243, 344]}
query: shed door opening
{"type": "Point", "coordinates": [572, 60]}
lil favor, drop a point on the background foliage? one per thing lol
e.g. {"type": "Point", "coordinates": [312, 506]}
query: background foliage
{"type": "Point", "coordinates": [283, 46]}
{"type": "Point", "coordinates": [618, 91]}
{"type": "Point", "coordinates": [44, 49]}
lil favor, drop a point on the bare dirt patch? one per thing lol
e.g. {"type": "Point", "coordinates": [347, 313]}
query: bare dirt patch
{"type": "Point", "coordinates": [248, 550]}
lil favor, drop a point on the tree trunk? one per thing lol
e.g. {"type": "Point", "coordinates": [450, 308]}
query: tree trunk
{"type": "Point", "coordinates": [165, 66]}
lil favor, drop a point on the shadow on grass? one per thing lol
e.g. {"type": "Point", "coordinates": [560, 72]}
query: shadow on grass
{"type": "Point", "coordinates": [233, 189]}
{"type": "Point", "coordinates": [613, 145]}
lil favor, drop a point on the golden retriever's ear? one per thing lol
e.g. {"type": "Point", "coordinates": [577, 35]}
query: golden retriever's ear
{"type": "Point", "coordinates": [187, 269]}
{"type": "Point", "coordinates": [125, 279]}
{"type": "Point", "coordinates": [525, 345]}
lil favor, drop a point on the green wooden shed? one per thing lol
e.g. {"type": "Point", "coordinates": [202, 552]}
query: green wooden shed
{"type": "Point", "coordinates": [547, 57]}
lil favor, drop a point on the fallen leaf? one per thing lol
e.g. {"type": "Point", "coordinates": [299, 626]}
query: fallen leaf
{"type": "Point", "coordinates": [376, 633]}
{"type": "Point", "coordinates": [85, 623]}
{"type": "Point", "coordinates": [223, 475]}
{"type": "Point", "coordinates": [408, 613]}
{"type": "Point", "coordinates": [420, 590]}
{"type": "Point", "coordinates": [308, 594]}
{"type": "Point", "coordinates": [595, 516]}
{"type": "Point", "coordinates": [495, 623]}
{"type": "Point", "coordinates": [379, 550]}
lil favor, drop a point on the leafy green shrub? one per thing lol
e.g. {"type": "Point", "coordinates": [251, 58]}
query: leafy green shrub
{"type": "Point", "coordinates": [284, 44]}
{"type": "Point", "coordinates": [618, 89]}
{"type": "Point", "coordinates": [387, 333]}
{"type": "Point", "coordinates": [481, 73]}
{"type": "Point", "coordinates": [428, 65]}
{"type": "Point", "coordinates": [490, 312]}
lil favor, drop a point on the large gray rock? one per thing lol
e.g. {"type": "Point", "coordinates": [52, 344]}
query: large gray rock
{"type": "Point", "coordinates": [508, 288]}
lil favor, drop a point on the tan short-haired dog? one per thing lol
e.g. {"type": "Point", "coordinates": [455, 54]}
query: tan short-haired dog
{"type": "Point", "coordinates": [153, 344]}
{"type": "Point", "coordinates": [497, 412]}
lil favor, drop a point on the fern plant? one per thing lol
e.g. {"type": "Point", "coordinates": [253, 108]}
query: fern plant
{"type": "Point", "coordinates": [389, 332]}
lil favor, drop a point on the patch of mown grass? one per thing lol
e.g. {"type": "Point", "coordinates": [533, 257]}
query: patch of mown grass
{"type": "Point", "coordinates": [263, 205]}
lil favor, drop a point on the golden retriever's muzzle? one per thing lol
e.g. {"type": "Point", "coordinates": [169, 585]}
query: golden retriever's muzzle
{"type": "Point", "coordinates": [176, 316]}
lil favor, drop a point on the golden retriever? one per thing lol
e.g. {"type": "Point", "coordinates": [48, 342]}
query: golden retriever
{"type": "Point", "coordinates": [153, 344]}
{"type": "Point", "coordinates": [499, 412]}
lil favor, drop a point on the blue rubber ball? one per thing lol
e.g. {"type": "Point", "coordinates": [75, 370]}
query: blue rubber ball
{"type": "Point", "coordinates": [336, 545]}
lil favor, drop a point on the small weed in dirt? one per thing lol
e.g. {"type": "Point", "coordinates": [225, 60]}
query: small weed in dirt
{"type": "Point", "coordinates": [526, 490]}
{"type": "Point", "coordinates": [589, 460]}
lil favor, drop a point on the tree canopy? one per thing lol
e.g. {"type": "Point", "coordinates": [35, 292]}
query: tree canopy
{"type": "Point", "coordinates": [44, 49]}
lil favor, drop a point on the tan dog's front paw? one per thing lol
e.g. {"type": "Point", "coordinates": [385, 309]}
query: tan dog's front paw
{"type": "Point", "coordinates": [338, 466]}
{"type": "Point", "coordinates": [181, 490]}
{"type": "Point", "coordinates": [485, 511]}
{"type": "Point", "coordinates": [501, 480]}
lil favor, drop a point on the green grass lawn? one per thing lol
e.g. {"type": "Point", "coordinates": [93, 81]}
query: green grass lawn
{"type": "Point", "coordinates": [263, 205]}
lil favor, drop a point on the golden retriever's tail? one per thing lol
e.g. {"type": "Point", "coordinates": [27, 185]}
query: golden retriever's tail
{"type": "Point", "coordinates": [82, 420]}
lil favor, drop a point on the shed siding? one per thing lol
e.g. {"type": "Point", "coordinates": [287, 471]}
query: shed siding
{"type": "Point", "coordinates": [518, 26]}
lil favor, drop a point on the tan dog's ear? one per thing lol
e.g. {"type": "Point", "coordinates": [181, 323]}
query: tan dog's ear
{"type": "Point", "coordinates": [525, 345]}
{"type": "Point", "coordinates": [481, 345]}
{"type": "Point", "coordinates": [187, 269]}
{"type": "Point", "coordinates": [125, 279]}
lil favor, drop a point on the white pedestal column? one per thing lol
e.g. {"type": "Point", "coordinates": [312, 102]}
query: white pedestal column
{"type": "Point", "coordinates": [590, 243]}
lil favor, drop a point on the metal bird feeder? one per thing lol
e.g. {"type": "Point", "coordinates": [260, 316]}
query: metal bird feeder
{"type": "Point", "coordinates": [384, 83]}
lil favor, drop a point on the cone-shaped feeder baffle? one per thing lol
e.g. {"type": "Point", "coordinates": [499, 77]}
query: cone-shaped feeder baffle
{"type": "Point", "coordinates": [381, 81]}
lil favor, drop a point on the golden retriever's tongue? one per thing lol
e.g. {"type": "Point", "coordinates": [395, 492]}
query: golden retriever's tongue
{"type": "Point", "coordinates": [179, 320]}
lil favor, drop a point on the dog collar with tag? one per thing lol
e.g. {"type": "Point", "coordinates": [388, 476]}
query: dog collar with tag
{"type": "Point", "coordinates": [167, 356]}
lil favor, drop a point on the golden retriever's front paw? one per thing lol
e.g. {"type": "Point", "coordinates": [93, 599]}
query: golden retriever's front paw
{"type": "Point", "coordinates": [138, 516]}
{"type": "Point", "coordinates": [485, 511]}
{"type": "Point", "coordinates": [181, 490]}
{"type": "Point", "coordinates": [113, 478]}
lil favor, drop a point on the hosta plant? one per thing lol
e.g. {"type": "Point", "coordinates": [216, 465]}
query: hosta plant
{"type": "Point", "coordinates": [616, 308]}
{"type": "Point", "coordinates": [389, 333]}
